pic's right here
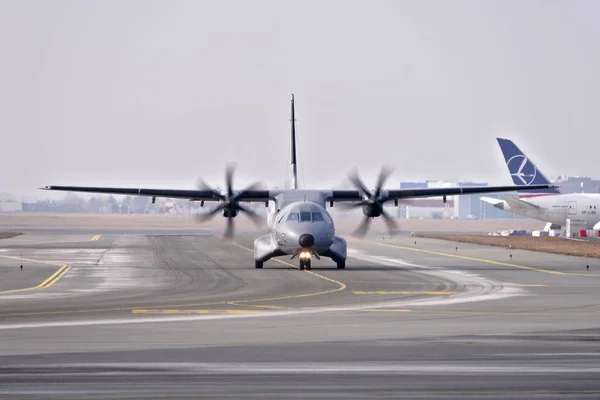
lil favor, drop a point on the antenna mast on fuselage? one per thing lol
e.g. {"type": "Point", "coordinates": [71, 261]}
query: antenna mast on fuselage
{"type": "Point", "coordinates": [294, 168]}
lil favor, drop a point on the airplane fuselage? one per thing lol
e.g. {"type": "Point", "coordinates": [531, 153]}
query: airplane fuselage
{"type": "Point", "coordinates": [299, 223]}
{"type": "Point", "coordinates": [557, 208]}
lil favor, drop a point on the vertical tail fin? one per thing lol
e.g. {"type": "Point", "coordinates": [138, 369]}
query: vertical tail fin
{"type": "Point", "coordinates": [522, 170]}
{"type": "Point", "coordinates": [294, 167]}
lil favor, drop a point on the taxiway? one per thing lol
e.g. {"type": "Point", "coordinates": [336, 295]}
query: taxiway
{"type": "Point", "coordinates": [178, 314]}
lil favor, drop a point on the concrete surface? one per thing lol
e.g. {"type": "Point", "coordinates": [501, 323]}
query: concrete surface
{"type": "Point", "coordinates": [152, 315]}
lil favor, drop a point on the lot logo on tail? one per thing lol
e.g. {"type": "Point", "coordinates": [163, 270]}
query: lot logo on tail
{"type": "Point", "coordinates": [521, 169]}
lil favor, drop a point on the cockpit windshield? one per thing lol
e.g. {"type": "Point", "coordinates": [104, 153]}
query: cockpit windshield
{"type": "Point", "coordinates": [317, 217]}
{"type": "Point", "coordinates": [306, 216]}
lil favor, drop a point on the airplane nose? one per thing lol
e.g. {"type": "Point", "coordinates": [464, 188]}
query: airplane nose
{"type": "Point", "coordinates": [306, 240]}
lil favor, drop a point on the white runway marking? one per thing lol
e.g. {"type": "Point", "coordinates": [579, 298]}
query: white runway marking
{"type": "Point", "coordinates": [297, 368]}
{"type": "Point", "coordinates": [473, 287]}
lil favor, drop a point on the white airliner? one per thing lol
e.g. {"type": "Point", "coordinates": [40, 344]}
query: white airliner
{"type": "Point", "coordinates": [547, 205]}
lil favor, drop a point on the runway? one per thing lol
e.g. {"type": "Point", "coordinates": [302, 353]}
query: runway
{"type": "Point", "coordinates": [159, 314]}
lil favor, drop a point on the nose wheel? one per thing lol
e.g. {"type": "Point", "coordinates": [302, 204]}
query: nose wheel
{"type": "Point", "coordinates": [305, 264]}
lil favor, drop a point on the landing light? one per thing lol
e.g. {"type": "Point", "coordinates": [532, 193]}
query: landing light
{"type": "Point", "coordinates": [305, 254]}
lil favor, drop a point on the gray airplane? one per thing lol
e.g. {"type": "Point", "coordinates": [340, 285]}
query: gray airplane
{"type": "Point", "coordinates": [298, 222]}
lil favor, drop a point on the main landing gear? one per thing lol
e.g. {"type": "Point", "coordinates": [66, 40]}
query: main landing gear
{"type": "Point", "coordinates": [258, 264]}
{"type": "Point", "coordinates": [341, 264]}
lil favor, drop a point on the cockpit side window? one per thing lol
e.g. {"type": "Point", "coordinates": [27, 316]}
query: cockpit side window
{"type": "Point", "coordinates": [317, 217]}
{"type": "Point", "coordinates": [293, 217]}
{"type": "Point", "coordinates": [304, 216]}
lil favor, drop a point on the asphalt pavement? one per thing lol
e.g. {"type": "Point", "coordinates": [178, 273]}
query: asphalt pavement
{"type": "Point", "coordinates": [181, 314]}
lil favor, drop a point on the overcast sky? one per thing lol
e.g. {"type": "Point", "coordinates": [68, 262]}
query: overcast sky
{"type": "Point", "coordinates": [158, 93]}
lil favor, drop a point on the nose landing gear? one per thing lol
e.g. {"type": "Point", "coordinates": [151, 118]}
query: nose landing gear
{"type": "Point", "coordinates": [305, 264]}
{"type": "Point", "coordinates": [304, 257]}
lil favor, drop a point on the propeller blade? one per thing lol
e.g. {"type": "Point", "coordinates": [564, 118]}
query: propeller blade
{"type": "Point", "coordinates": [389, 221]}
{"type": "Point", "coordinates": [202, 185]}
{"type": "Point", "coordinates": [229, 231]}
{"type": "Point", "coordinates": [229, 179]}
{"type": "Point", "coordinates": [383, 175]}
{"type": "Point", "coordinates": [254, 186]}
{"type": "Point", "coordinates": [350, 206]}
{"type": "Point", "coordinates": [358, 183]}
{"type": "Point", "coordinates": [200, 218]}
{"type": "Point", "coordinates": [251, 214]}
{"type": "Point", "coordinates": [363, 227]}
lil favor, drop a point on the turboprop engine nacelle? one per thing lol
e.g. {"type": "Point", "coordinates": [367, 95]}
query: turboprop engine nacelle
{"type": "Point", "coordinates": [372, 210]}
{"type": "Point", "coordinates": [229, 213]}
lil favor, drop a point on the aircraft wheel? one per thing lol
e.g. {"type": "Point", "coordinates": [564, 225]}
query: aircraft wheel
{"type": "Point", "coordinates": [341, 264]}
{"type": "Point", "coordinates": [258, 264]}
{"type": "Point", "coordinates": [307, 264]}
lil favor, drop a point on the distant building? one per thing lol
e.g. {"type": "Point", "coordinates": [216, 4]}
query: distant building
{"type": "Point", "coordinates": [9, 203]}
{"type": "Point", "coordinates": [425, 207]}
{"type": "Point", "coordinates": [459, 207]}
{"type": "Point", "coordinates": [577, 184]}
{"type": "Point", "coordinates": [467, 207]}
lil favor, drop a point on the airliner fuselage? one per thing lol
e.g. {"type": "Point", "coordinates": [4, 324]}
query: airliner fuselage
{"type": "Point", "coordinates": [558, 208]}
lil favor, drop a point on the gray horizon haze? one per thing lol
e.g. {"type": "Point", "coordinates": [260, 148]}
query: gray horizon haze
{"type": "Point", "coordinates": [158, 93]}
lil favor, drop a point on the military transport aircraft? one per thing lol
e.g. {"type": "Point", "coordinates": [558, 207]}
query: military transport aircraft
{"type": "Point", "coordinates": [298, 222]}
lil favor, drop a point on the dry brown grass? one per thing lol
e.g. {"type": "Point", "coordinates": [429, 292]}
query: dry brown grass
{"type": "Point", "coordinates": [8, 235]}
{"type": "Point", "coordinates": [343, 224]}
{"type": "Point", "coordinates": [555, 245]}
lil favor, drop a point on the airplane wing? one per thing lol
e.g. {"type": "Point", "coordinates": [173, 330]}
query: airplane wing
{"type": "Point", "coordinates": [492, 200]}
{"type": "Point", "coordinates": [265, 195]}
{"type": "Point", "coordinates": [194, 195]}
{"type": "Point", "coordinates": [432, 192]}
{"type": "Point", "coordinates": [356, 195]}
{"type": "Point", "coordinates": [516, 203]}
{"type": "Point", "coordinates": [498, 203]}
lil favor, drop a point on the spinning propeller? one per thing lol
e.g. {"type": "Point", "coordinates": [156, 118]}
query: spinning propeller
{"type": "Point", "coordinates": [372, 203]}
{"type": "Point", "coordinates": [229, 202]}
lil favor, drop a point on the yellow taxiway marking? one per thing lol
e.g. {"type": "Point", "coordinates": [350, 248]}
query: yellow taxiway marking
{"type": "Point", "coordinates": [233, 303]}
{"type": "Point", "coordinates": [439, 253]}
{"type": "Point", "coordinates": [54, 277]}
{"type": "Point", "coordinates": [248, 303]}
{"type": "Point", "coordinates": [216, 311]}
{"type": "Point", "coordinates": [31, 260]}
{"type": "Point", "coordinates": [63, 312]}
{"type": "Point", "coordinates": [403, 292]}
{"type": "Point", "coordinates": [341, 286]}
{"type": "Point", "coordinates": [95, 238]}
{"type": "Point", "coordinates": [45, 284]}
